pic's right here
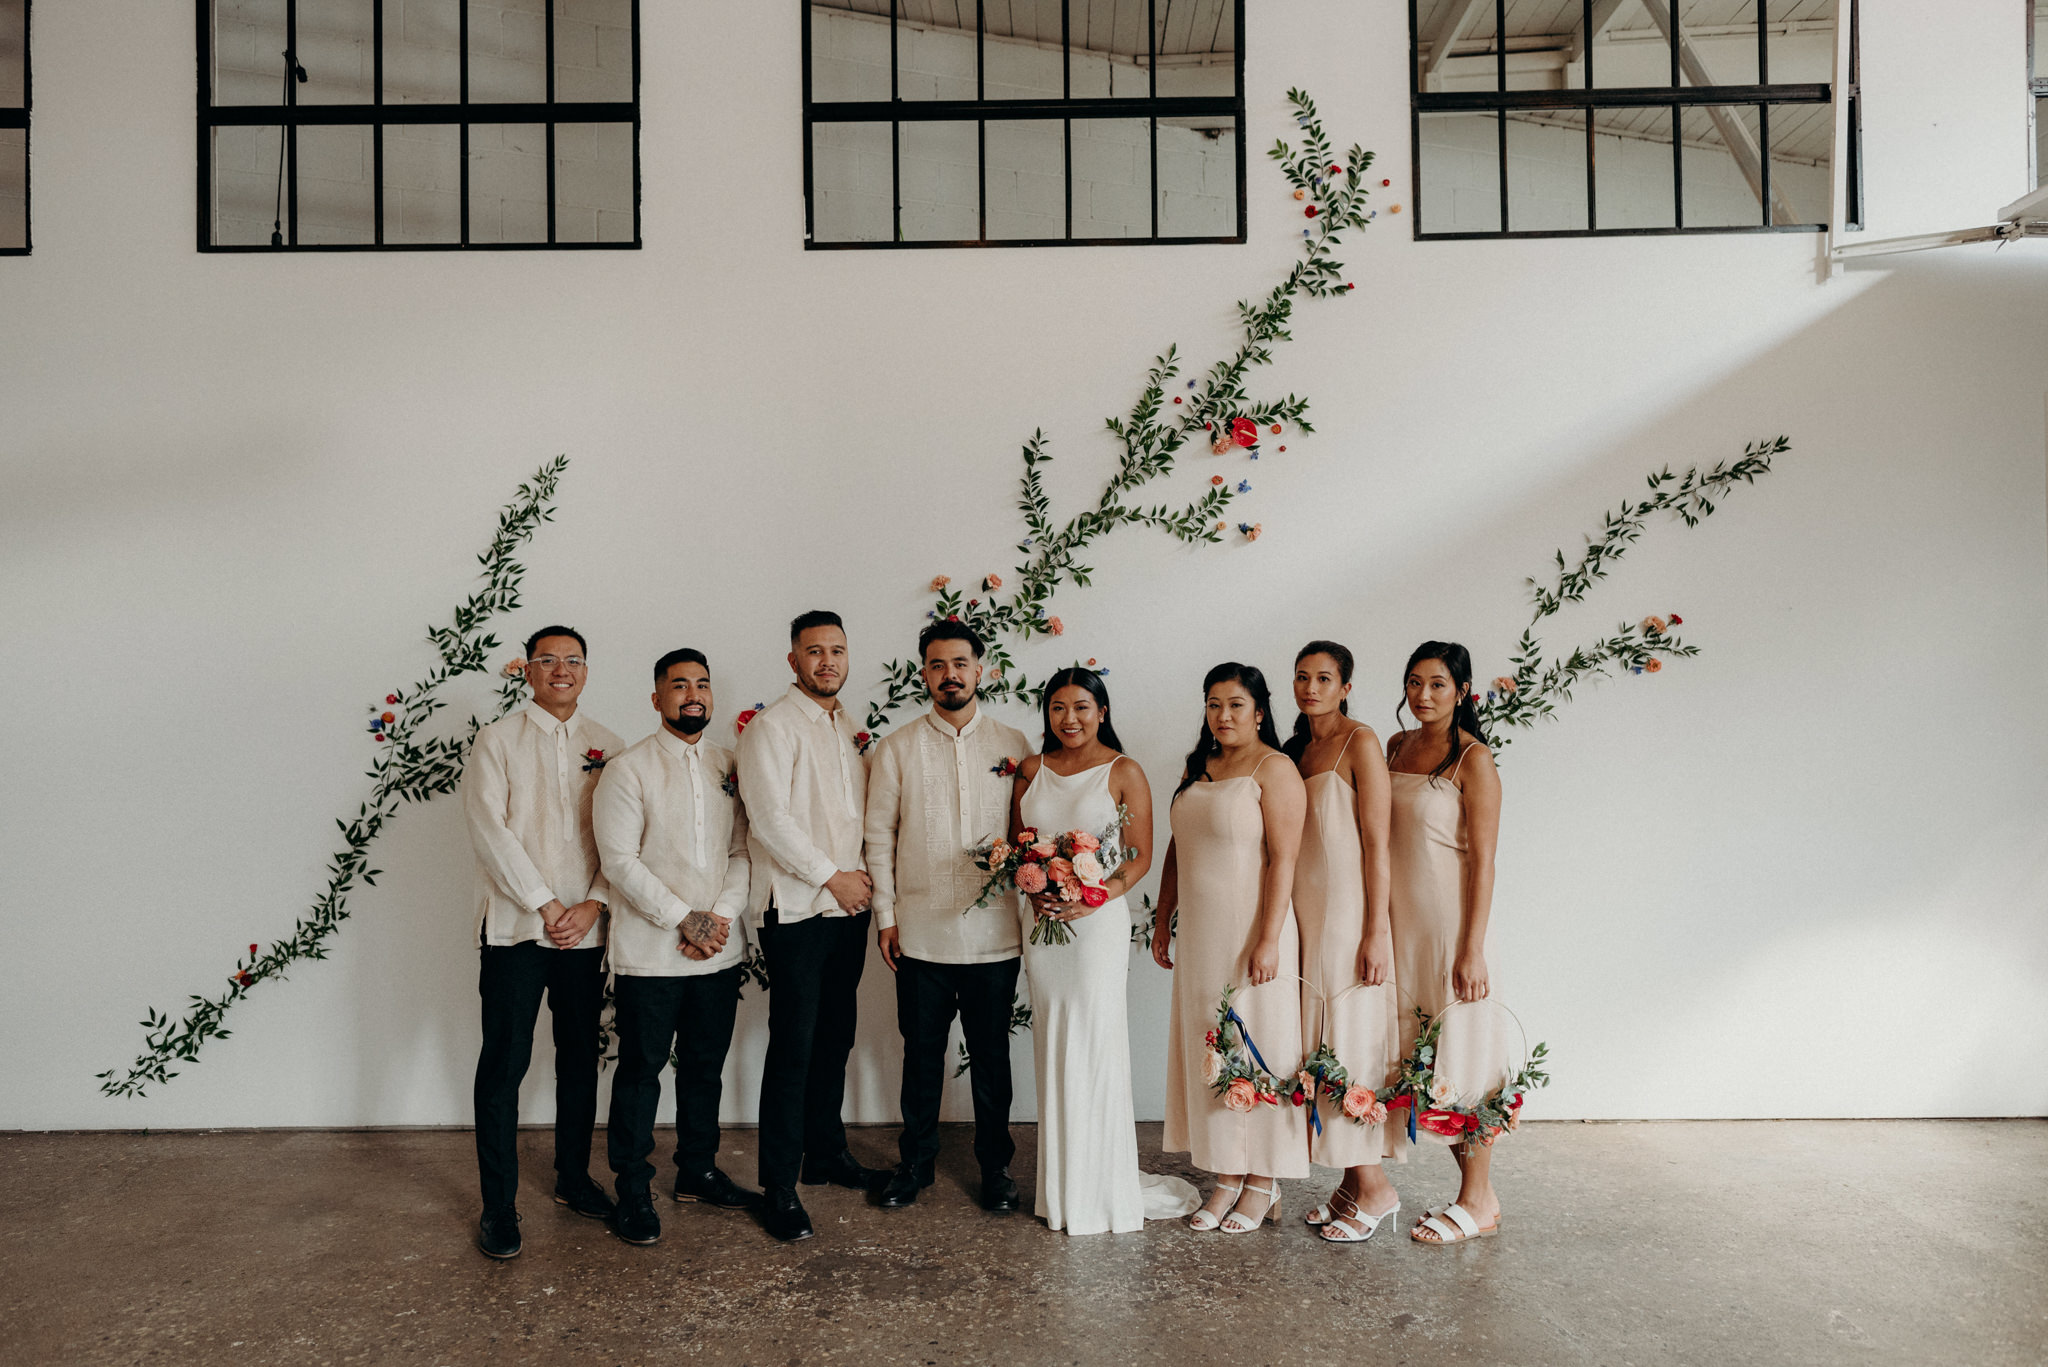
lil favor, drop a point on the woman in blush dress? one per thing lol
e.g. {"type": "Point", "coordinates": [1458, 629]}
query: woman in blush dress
{"type": "Point", "coordinates": [1445, 823]}
{"type": "Point", "coordinates": [1229, 876]}
{"type": "Point", "coordinates": [1088, 1177]}
{"type": "Point", "coordinates": [1347, 945]}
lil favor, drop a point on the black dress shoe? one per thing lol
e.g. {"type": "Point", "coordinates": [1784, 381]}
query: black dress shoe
{"type": "Point", "coordinates": [784, 1215]}
{"type": "Point", "coordinates": [904, 1184]}
{"type": "Point", "coordinates": [585, 1198]}
{"type": "Point", "coordinates": [634, 1219]}
{"type": "Point", "coordinates": [497, 1234]}
{"type": "Point", "coordinates": [999, 1191]}
{"type": "Point", "coordinates": [714, 1188]}
{"type": "Point", "coordinates": [844, 1170]}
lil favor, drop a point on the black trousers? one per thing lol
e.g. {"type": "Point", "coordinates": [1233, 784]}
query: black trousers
{"type": "Point", "coordinates": [814, 969]}
{"type": "Point", "coordinates": [693, 1016]}
{"type": "Point", "coordinates": [511, 980]}
{"type": "Point", "coordinates": [928, 996]}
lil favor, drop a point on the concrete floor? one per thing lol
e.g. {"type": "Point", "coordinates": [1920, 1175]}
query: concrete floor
{"type": "Point", "coordinates": [1778, 1242]}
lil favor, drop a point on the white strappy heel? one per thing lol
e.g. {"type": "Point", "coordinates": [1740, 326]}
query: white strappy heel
{"type": "Point", "coordinates": [1237, 1222]}
{"type": "Point", "coordinates": [1205, 1219]}
{"type": "Point", "coordinates": [1346, 1228]}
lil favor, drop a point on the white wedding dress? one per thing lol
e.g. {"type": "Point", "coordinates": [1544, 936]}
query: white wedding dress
{"type": "Point", "coordinates": [1088, 1178]}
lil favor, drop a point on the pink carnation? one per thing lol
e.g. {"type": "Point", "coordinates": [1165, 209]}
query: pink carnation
{"type": "Point", "coordinates": [1031, 880]}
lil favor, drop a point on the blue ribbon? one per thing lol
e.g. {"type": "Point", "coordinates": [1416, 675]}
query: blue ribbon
{"type": "Point", "coordinates": [1244, 1033]}
{"type": "Point", "coordinates": [1413, 1107]}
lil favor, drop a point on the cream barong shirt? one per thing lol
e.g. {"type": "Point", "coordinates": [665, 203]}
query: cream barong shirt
{"type": "Point", "coordinates": [526, 792]}
{"type": "Point", "coordinates": [805, 784]}
{"type": "Point", "coordinates": [933, 795]}
{"type": "Point", "coordinates": [672, 842]}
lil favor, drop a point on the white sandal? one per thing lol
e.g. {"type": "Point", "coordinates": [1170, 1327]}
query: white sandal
{"type": "Point", "coordinates": [1239, 1223]}
{"type": "Point", "coordinates": [1322, 1215]}
{"type": "Point", "coordinates": [1345, 1229]}
{"type": "Point", "coordinates": [1466, 1229]}
{"type": "Point", "coordinates": [1205, 1219]}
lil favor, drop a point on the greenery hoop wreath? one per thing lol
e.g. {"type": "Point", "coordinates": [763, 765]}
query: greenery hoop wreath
{"type": "Point", "coordinates": [1215, 407]}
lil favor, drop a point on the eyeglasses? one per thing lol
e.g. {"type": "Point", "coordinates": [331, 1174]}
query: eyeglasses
{"type": "Point", "coordinates": [550, 661]}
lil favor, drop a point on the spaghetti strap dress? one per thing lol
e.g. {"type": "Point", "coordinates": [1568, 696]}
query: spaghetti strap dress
{"type": "Point", "coordinates": [1219, 835]}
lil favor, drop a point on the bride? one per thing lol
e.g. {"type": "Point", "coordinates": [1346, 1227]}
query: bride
{"type": "Point", "coordinates": [1088, 1178]}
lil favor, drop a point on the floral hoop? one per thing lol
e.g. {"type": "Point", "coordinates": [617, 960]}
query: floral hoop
{"type": "Point", "coordinates": [1237, 1072]}
{"type": "Point", "coordinates": [1332, 1081]}
{"type": "Point", "coordinates": [1436, 1106]}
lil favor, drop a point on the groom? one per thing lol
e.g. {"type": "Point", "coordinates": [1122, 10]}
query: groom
{"type": "Point", "coordinates": [939, 787]}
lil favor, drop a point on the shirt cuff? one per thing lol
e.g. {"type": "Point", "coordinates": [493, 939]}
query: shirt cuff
{"type": "Point", "coordinates": [821, 873]}
{"type": "Point", "coordinates": [545, 898]}
{"type": "Point", "coordinates": [672, 913]}
{"type": "Point", "coordinates": [885, 916]}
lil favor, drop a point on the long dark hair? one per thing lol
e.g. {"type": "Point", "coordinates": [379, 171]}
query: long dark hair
{"type": "Point", "coordinates": [1230, 671]}
{"type": "Point", "coordinates": [1074, 676]}
{"type": "Point", "coordinates": [1298, 742]}
{"type": "Point", "coordinates": [1465, 716]}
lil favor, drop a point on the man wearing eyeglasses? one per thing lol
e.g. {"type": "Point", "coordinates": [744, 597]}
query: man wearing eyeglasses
{"type": "Point", "coordinates": [540, 926]}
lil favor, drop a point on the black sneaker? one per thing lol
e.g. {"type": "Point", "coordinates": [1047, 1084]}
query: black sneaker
{"type": "Point", "coordinates": [999, 1192]}
{"type": "Point", "coordinates": [714, 1188]}
{"type": "Point", "coordinates": [497, 1234]}
{"type": "Point", "coordinates": [634, 1220]}
{"type": "Point", "coordinates": [585, 1198]}
{"type": "Point", "coordinates": [904, 1184]}
{"type": "Point", "coordinates": [842, 1170]}
{"type": "Point", "coordinates": [784, 1215]}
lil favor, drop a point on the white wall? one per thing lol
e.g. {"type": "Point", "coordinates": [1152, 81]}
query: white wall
{"type": "Point", "coordinates": [1802, 875]}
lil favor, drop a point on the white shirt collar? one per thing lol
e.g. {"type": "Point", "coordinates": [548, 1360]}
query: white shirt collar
{"type": "Point", "coordinates": [548, 722]}
{"type": "Point", "coordinates": [945, 728]}
{"type": "Point", "coordinates": [679, 747]}
{"type": "Point", "coordinates": [813, 710]}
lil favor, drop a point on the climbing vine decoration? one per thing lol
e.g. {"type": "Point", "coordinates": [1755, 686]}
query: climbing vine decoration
{"type": "Point", "coordinates": [409, 767]}
{"type": "Point", "coordinates": [1215, 407]}
{"type": "Point", "coordinates": [1541, 682]}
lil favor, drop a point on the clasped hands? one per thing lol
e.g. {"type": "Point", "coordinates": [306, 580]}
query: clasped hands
{"type": "Point", "coordinates": [566, 926]}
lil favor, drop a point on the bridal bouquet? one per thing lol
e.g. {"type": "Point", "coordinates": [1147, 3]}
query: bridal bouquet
{"type": "Point", "coordinates": [1075, 864]}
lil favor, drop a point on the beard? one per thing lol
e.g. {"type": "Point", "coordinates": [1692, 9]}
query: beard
{"type": "Point", "coordinates": [688, 725]}
{"type": "Point", "coordinates": [828, 688]}
{"type": "Point", "coordinates": [953, 701]}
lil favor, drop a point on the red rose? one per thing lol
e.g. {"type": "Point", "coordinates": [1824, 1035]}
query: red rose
{"type": "Point", "coordinates": [1299, 1098]}
{"type": "Point", "coordinates": [390, 697]}
{"type": "Point", "coordinates": [1514, 1105]}
{"type": "Point", "coordinates": [593, 754]}
{"type": "Point", "coordinates": [1094, 896]}
{"type": "Point", "coordinates": [1032, 856]}
{"type": "Point", "coordinates": [252, 950]}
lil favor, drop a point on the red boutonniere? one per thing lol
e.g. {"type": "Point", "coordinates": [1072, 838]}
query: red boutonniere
{"type": "Point", "coordinates": [1006, 769]}
{"type": "Point", "coordinates": [593, 760]}
{"type": "Point", "coordinates": [730, 784]}
{"type": "Point", "coordinates": [862, 740]}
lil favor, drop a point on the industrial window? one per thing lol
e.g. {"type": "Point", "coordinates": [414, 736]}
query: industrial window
{"type": "Point", "coordinates": [418, 124]}
{"type": "Point", "coordinates": [2037, 90]}
{"type": "Point", "coordinates": [1023, 123]}
{"type": "Point", "coordinates": [14, 101]}
{"type": "Point", "coordinates": [1547, 118]}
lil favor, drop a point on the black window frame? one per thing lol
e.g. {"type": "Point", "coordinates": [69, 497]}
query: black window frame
{"type": "Point", "coordinates": [2037, 90]}
{"type": "Point", "coordinates": [292, 116]}
{"type": "Point", "coordinates": [896, 111]}
{"type": "Point", "coordinates": [1760, 96]}
{"type": "Point", "coordinates": [12, 116]}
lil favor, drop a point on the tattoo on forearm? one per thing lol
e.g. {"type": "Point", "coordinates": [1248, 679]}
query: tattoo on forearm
{"type": "Point", "coordinates": [700, 928]}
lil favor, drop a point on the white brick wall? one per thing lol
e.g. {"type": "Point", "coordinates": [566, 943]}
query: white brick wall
{"type": "Point", "coordinates": [508, 165]}
{"type": "Point", "coordinates": [1026, 178]}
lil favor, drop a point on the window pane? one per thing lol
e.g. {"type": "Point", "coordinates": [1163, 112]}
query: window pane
{"type": "Point", "coordinates": [1460, 165]}
{"type": "Point", "coordinates": [508, 182]}
{"type": "Point", "coordinates": [939, 170]}
{"type": "Point", "coordinates": [13, 53]}
{"type": "Point", "coordinates": [1632, 169]}
{"type": "Point", "coordinates": [248, 53]}
{"type": "Point", "coordinates": [594, 182]}
{"type": "Point", "coordinates": [422, 51]}
{"type": "Point", "coordinates": [13, 188]}
{"type": "Point", "coordinates": [1456, 48]}
{"type": "Point", "coordinates": [1197, 177]}
{"type": "Point", "coordinates": [1027, 178]}
{"type": "Point", "coordinates": [851, 190]}
{"type": "Point", "coordinates": [1802, 176]}
{"type": "Point", "coordinates": [337, 185]}
{"type": "Point", "coordinates": [1017, 64]}
{"type": "Point", "coordinates": [1632, 50]}
{"type": "Point", "coordinates": [849, 51]}
{"type": "Point", "coordinates": [1109, 49]}
{"type": "Point", "coordinates": [1546, 171]}
{"type": "Point", "coordinates": [935, 60]}
{"type": "Point", "coordinates": [1801, 34]}
{"type": "Point", "coordinates": [1720, 42]}
{"type": "Point", "coordinates": [337, 46]}
{"type": "Point", "coordinates": [594, 50]}
{"type": "Point", "coordinates": [1112, 178]}
{"type": "Point", "coordinates": [245, 185]}
{"type": "Point", "coordinates": [1723, 169]}
{"type": "Point", "coordinates": [508, 50]}
{"type": "Point", "coordinates": [422, 183]}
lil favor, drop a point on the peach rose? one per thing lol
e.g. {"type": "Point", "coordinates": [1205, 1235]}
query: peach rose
{"type": "Point", "coordinates": [1044, 849]}
{"type": "Point", "coordinates": [1212, 1067]}
{"type": "Point", "coordinates": [1361, 1105]}
{"type": "Point", "coordinates": [991, 583]}
{"type": "Point", "coordinates": [1652, 665]}
{"type": "Point", "coordinates": [1504, 685]}
{"type": "Point", "coordinates": [998, 853]}
{"type": "Point", "coordinates": [1031, 880]}
{"type": "Point", "coordinates": [1056, 626]}
{"type": "Point", "coordinates": [514, 669]}
{"type": "Point", "coordinates": [1241, 1095]}
{"type": "Point", "coordinates": [1084, 843]}
{"type": "Point", "coordinates": [939, 583]}
{"type": "Point", "coordinates": [1653, 626]}
{"type": "Point", "coordinates": [1087, 868]}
